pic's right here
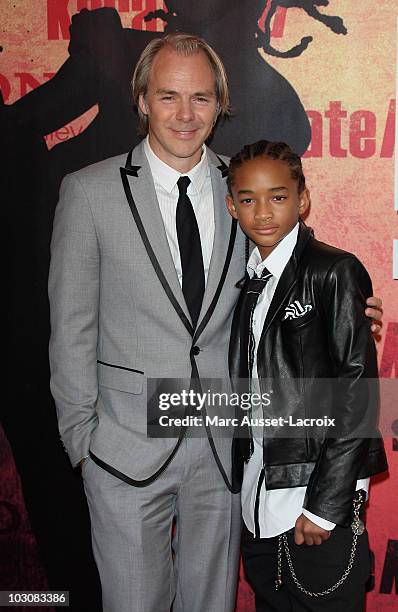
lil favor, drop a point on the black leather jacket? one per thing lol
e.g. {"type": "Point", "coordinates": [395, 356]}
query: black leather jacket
{"type": "Point", "coordinates": [331, 341]}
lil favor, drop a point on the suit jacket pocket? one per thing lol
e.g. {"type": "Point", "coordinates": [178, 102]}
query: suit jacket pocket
{"type": "Point", "coordinates": [298, 323]}
{"type": "Point", "coordinates": [121, 379]}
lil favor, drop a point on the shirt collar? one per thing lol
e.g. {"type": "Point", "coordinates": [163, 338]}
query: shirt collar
{"type": "Point", "coordinates": [167, 177]}
{"type": "Point", "coordinates": [277, 261]}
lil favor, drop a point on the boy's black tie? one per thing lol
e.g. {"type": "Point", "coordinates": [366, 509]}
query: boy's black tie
{"type": "Point", "coordinates": [254, 289]}
{"type": "Point", "coordinates": [193, 275]}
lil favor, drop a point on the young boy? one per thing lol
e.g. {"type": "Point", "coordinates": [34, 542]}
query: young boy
{"type": "Point", "coordinates": [300, 317]}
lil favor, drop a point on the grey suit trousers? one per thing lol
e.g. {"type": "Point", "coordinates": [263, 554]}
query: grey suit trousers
{"type": "Point", "coordinates": [143, 568]}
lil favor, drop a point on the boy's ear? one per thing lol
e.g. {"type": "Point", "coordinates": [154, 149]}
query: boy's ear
{"type": "Point", "coordinates": [305, 201]}
{"type": "Point", "coordinates": [231, 206]}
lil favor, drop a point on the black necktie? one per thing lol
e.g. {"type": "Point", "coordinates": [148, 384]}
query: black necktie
{"type": "Point", "coordinates": [254, 289]}
{"type": "Point", "coordinates": [193, 275]}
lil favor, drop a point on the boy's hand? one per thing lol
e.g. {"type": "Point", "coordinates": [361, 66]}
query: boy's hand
{"type": "Point", "coordinates": [306, 531]}
{"type": "Point", "coordinates": [375, 312]}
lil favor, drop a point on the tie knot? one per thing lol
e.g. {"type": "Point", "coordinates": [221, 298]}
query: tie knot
{"type": "Point", "coordinates": [257, 283]}
{"type": "Point", "coordinates": [265, 274]}
{"type": "Point", "coordinates": [183, 183]}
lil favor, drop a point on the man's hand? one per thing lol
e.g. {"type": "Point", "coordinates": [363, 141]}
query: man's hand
{"type": "Point", "coordinates": [306, 531]}
{"type": "Point", "coordinates": [375, 312]}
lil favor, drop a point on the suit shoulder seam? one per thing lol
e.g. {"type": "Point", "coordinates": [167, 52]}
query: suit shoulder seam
{"type": "Point", "coordinates": [80, 183]}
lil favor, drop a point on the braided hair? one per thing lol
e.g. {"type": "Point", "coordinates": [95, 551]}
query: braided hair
{"type": "Point", "coordinates": [273, 150]}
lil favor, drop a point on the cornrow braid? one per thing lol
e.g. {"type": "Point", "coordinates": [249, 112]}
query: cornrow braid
{"type": "Point", "coordinates": [272, 150]}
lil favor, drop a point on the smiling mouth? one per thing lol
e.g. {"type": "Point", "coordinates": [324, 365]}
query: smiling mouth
{"type": "Point", "coordinates": [185, 133]}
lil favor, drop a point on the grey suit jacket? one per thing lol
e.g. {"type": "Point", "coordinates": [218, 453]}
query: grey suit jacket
{"type": "Point", "coordinates": [114, 297]}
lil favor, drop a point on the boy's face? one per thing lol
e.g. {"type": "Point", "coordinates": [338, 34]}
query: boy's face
{"type": "Point", "coordinates": [266, 202]}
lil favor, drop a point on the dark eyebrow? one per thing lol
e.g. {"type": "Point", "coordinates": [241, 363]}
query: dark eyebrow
{"type": "Point", "coordinates": [281, 188]}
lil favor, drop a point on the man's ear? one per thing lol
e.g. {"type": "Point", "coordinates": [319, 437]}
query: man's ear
{"type": "Point", "coordinates": [142, 104]}
{"type": "Point", "coordinates": [305, 201]}
{"type": "Point", "coordinates": [217, 114]}
{"type": "Point", "coordinates": [231, 206]}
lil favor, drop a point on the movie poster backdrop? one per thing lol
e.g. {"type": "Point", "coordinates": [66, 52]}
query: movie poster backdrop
{"type": "Point", "coordinates": [319, 75]}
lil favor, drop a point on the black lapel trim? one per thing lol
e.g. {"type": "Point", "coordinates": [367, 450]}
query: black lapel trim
{"type": "Point", "coordinates": [223, 168]}
{"type": "Point", "coordinates": [230, 485]}
{"type": "Point", "coordinates": [111, 365]}
{"type": "Point", "coordinates": [131, 170]}
{"type": "Point", "coordinates": [214, 301]}
{"type": "Point", "coordinates": [197, 385]}
{"type": "Point", "coordinates": [131, 481]}
{"type": "Point", "coordinates": [195, 372]}
{"type": "Point", "coordinates": [186, 322]}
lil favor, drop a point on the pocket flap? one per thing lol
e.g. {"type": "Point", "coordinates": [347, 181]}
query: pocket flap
{"type": "Point", "coordinates": [117, 378]}
{"type": "Point", "coordinates": [299, 322]}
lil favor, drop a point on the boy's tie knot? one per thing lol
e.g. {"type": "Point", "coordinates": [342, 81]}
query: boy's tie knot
{"type": "Point", "coordinates": [257, 283]}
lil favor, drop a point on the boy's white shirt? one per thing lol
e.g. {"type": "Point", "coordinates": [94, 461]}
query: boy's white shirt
{"type": "Point", "coordinates": [279, 508]}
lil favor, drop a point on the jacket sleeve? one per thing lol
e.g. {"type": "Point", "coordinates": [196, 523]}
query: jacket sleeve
{"type": "Point", "coordinates": [352, 349]}
{"type": "Point", "coordinates": [73, 294]}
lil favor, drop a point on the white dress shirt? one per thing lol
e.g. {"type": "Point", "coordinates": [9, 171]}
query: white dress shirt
{"type": "Point", "coordinates": [279, 508]}
{"type": "Point", "coordinates": [201, 195]}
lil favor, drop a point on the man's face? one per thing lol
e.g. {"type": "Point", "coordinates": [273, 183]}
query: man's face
{"type": "Point", "coordinates": [266, 202]}
{"type": "Point", "coordinates": [181, 106]}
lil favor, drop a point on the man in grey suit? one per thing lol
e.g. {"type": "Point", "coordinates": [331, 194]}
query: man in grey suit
{"type": "Point", "coordinates": [125, 306]}
{"type": "Point", "coordinates": [120, 315]}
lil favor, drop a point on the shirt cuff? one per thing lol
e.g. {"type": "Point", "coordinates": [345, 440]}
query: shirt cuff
{"type": "Point", "coordinates": [364, 485]}
{"type": "Point", "coordinates": [323, 523]}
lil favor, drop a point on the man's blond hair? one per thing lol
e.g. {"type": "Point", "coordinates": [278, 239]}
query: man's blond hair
{"type": "Point", "coordinates": [184, 44]}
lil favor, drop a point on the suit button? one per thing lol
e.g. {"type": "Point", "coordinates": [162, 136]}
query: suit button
{"type": "Point", "coordinates": [195, 350]}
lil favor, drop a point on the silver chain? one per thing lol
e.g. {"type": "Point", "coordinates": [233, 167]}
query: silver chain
{"type": "Point", "coordinates": [357, 527]}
